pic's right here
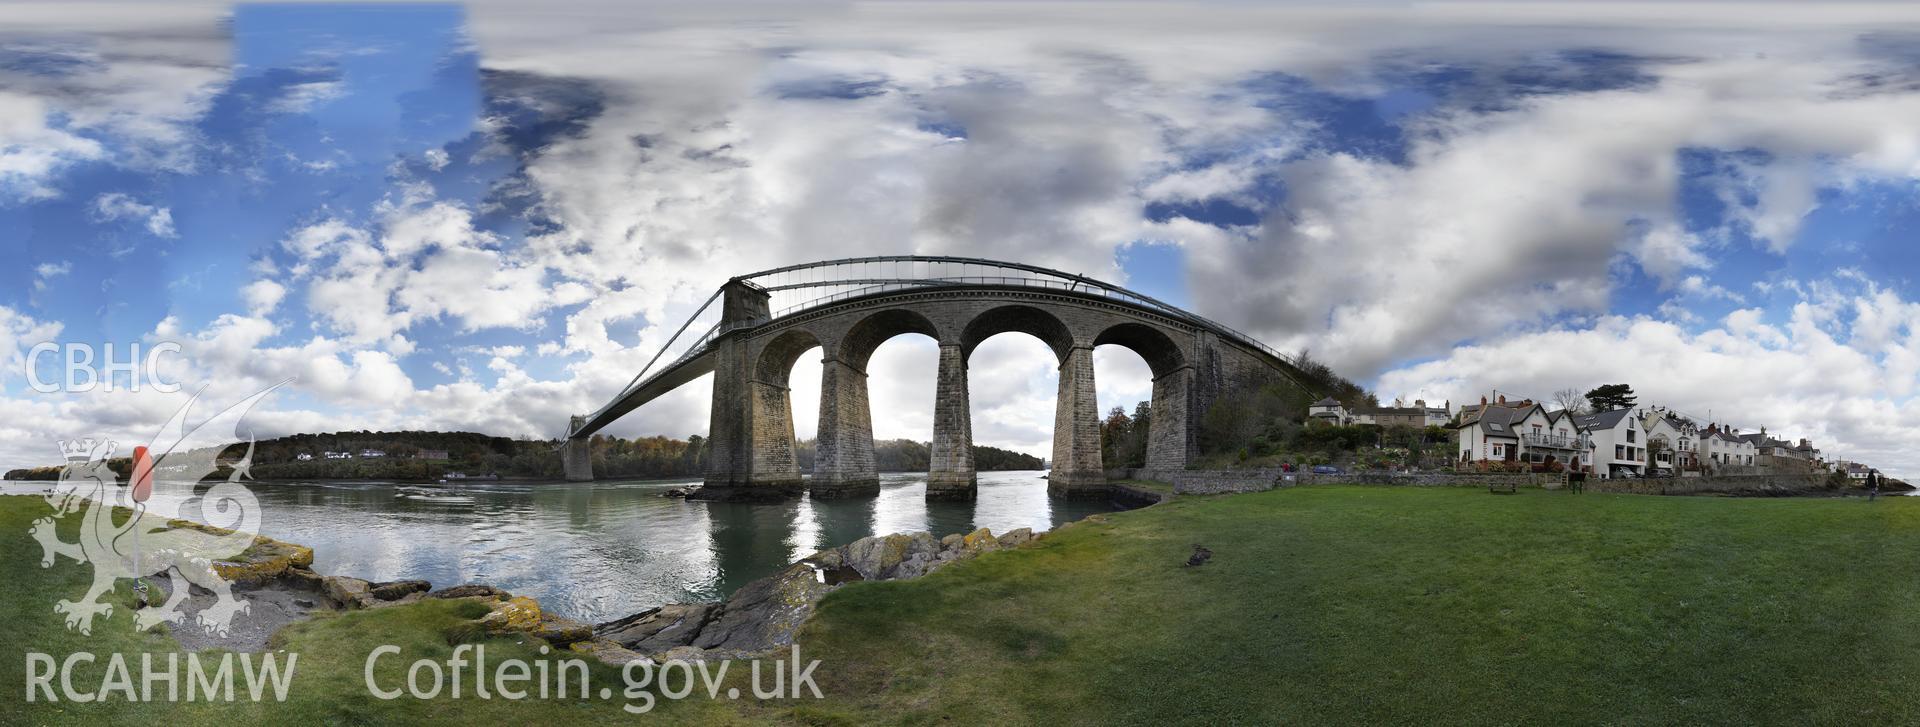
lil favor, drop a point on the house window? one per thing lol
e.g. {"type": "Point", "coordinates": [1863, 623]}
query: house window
{"type": "Point", "coordinates": [1629, 434]}
{"type": "Point", "coordinates": [1499, 451]}
{"type": "Point", "coordinates": [1619, 451]}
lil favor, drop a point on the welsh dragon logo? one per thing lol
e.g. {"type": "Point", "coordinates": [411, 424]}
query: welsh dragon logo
{"type": "Point", "coordinates": [147, 543]}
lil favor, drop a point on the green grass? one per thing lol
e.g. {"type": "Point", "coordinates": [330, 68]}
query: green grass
{"type": "Point", "coordinates": [1321, 605]}
{"type": "Point", "coordinates": [1374, 605]}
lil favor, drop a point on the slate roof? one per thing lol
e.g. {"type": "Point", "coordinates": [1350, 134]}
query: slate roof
{"type": "Point", "coordinates": [1603, 420]}
{"type": "Point", "coordinates": [1329, 401]}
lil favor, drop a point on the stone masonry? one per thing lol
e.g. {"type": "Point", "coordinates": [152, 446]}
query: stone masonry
{"type": "Point", "coordinates": [951, 475]}
{"type": "Point", "coordinates": [843, 461]}
{"type": "Point", "coordinates": [751, 441]}
{"type": "Point", "coordinates": [1076, 430]}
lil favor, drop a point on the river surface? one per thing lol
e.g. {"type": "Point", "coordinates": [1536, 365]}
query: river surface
{"type": "Point", "coordinates": [601, 550]}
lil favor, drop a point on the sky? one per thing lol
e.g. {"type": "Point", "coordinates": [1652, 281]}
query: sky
{"type": "Point", "coordinates": [488, 216]}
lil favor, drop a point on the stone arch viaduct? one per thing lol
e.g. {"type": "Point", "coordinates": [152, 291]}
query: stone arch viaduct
{"type": "Point", "coordinates": [847, 308]}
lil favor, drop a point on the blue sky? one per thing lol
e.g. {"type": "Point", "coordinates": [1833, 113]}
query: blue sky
{"type": "Point", "coordinates": [481, 217]}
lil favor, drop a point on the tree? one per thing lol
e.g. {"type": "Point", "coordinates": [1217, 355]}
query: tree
{"type": "Point", "coordinates": [1608, 397]}
{"type": "Point", "coordinates": [1570, 400]}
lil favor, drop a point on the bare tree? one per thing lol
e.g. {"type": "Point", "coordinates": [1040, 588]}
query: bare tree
{"type": "Point", "coordinates": [1571, 400]}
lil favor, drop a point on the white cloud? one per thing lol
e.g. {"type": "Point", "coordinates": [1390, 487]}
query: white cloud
{"type": "Point", "coordinates": [262, 296]}
{"type": "Point", "coordinates": [114, 206]}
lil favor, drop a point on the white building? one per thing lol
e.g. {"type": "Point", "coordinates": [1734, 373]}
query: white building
{"type": "Point", "coordinates": [372, 454]}
{"type": "Point", "coordinates": [1678, 439]}
{"type": "Point", "coordinates": [303, 456]}
{"type": "Point", "coordinates": [1722, 448]}
{"type": "Point", "coordinates": [1521, 432]}
{"type": "Point", "coordinates": [1330, 411]}
{"type": "Point", "coordinates": [1619, 443]}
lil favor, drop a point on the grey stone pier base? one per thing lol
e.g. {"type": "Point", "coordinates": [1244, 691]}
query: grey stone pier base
{"type": "Point", "coordinates": [951, 475]}
{"type": "Point", "coordinates": [576, 455]}
{"type": "Point", "coordinates": [1076, 431]}
{"type": "Point", "coordinates": [750, 435]}
{"type": "Point", "coordinates": [843, 461]}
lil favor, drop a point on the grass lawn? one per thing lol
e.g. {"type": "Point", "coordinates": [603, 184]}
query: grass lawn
{"type": "Point", "coordinates": [1321, 604]}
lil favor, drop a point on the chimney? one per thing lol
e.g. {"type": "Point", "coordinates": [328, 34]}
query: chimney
{"type": "Point", "coordinates": [1422, 403]}
{"type": "Point", "coordinates": [1503, 398]}
{"type": "Point", "coordinates": [1483, 401]}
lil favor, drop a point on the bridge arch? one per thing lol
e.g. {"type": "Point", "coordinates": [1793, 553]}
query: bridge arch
{"type": "Point", "coordinates": [777, 357]}
{"type": "Point", "coordinates": [865, 336]}
{"type": "Point", "coordinates": [1026, 319]}
{"type": "Point", "coordinates": [1162, 355]}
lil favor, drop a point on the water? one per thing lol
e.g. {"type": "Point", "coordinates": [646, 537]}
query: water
{"type": "Point", "coordinates": [601, 550]}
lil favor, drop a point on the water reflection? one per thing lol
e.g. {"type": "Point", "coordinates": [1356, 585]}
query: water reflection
{"type": "Point", "coordinates": [602, 550]}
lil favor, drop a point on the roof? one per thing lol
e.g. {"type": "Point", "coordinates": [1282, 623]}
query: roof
{"type": "Point", "coordinates": [1329, 401]}
{"type": "Point", "coordinates": [1418, 411]}
{"type": "Point", "coordinates": [1498, 419]}
{"type": "Point", "coordinates": [1603, 420]}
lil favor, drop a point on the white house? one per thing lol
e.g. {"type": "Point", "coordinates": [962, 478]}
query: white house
{"type": "Point", "coordinates": [372, 454]}
{"type": "Point", "coordinates": [1722, 448]}
{"type": "Point", "coordinates": [1329, 411]}
{"type": "Point", "coordinates": [1521, 432]}
{"type": "Point", "coordinates": [1678, 440]}
{"type": "Point", "coordinates": [1619, 442]}
{"type": "Point", "coordinates": [303, 456]}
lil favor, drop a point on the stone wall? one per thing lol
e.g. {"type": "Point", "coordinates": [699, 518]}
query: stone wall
{"type": "Point", "coordinates": [1213, 482]}
{"type": "Point", "coordinates": [1776, 485]}
{"type": "Point", "coordinates": [1205, 482]}
{"type": "Point", "coordinates": [1430, 479]}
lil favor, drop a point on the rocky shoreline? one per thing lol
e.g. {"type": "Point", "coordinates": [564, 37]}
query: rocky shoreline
{"type": "Point", "coordinates": [277, 581]}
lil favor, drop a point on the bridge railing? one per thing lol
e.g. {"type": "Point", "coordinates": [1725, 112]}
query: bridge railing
{"type": "Point", "coordinates": [699, 346]}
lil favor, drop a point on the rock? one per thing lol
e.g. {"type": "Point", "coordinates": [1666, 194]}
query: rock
{"type": "Point", "coordinates": [608, 652]}
{"type": "Point", "coordinates": [561, 631]}
{"type": "Point", "coordinates": [828, 559]}
{"type": "Point", "coordinates": [303, 602]}
{"type": "Point", "coordinates": [674, 492]}
{"type": "Point", "coordinates": [763, 615]}
{"type": "Point", "coordinates": [979, 541]}
{"type": "Point", "coordinates": [395, 590]}
{"type": "Point", "coordinates": [348, 592]}
{"type": "Point", "coordinates": [263, 561]}
{"type": "Point", "coordinates": [1016, 538]}
{"type": "Point", "coordinates": [683, 653]}
{"type": "Point", "coordinates": [659, 629]}
{"type": "Point", "coordinates": [471, 590]}
{"type": "Point", "coordinates": [952, 542]}
{"type": "Point", "coordinates": [519, 613]}
{"type": "Point", "coordinates": [302, 578]}
{"type": "Point", "coordinates": [878, 558]}
{"type": "Point", "coordinates": [414, 597]}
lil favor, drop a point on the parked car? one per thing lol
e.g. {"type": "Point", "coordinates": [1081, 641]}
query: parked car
{"type": "Point", "coordinates": [1660, 472]}
{"type": "Point", "coordinates": [1326, 469]}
